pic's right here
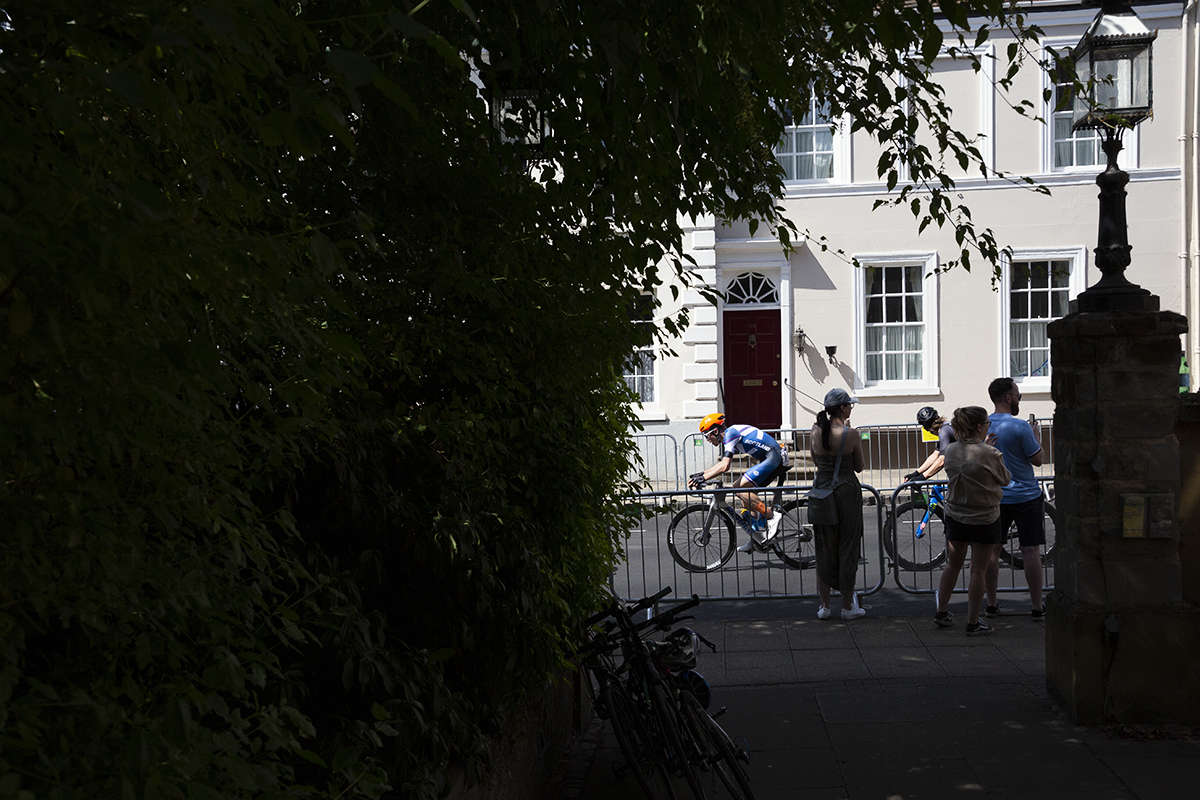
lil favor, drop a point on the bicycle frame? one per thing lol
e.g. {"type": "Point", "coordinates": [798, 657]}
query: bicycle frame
{"type": "Point", "coordinates": [932, 503]}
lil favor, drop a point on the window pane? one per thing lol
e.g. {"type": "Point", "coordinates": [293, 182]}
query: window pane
{"type": "Point", "coordinates": [913, 278]}
{"type": "Point", "coordinates": [913, 367]}
{"type": "Point", "coordinates": [1085, 154]}
{"type": "Point", "coordinates": [913, 336]}
{"type": "Point", "coordinates": [895, 366]}
{"type": "Point", "coordinates": [804, 141]}
{"type": "Point", "coordinates": [824, 140]}
{"type": "Point", "coordinates": [1039, 274]}
{"type": "Point", "coordinates": [1039, 361]}
{"type": "Point", "coordinates": [1062, 154]}
{"type": "Point", "coordinates": [823, 165]}
{"type": "Point", "coordinates": [1058, 304]}
{"type": "Point", "coordinates": [894, 309]}
{"type": "Point", "coordinates": [875, 368]}
{"type": "Point", "coordinates": [912, 309]}
{"type": "Point", "coordinates": [874, 280]}
{"type": "Point", "coordinates": [1019, 363]}
{"type": "Point", "coordinates": [1019, 305]}
{"type": "Point", "coordinates": [1060, 274]}
{"type": "Point", "coordinates": [804, 167]}
{"type": "Point", "coordinates": [893, 338]}
{"type": "Point", "coordinates": [1039, 305]}
{"type": "Point", "coordinates": [789, 167]}
{"type": "Point", "coordinates": [874, 340]}
{"type": "Point", "coordinates": [1020, 275]}
{"type": "Point", "coordinates": [875, 309]}
{"type": "Point", "coordinates": [1037, 335]}
{"type": "Point", "coordinates": [1018, 333]}
{"type": "Point", "coordinates": [892, 277]}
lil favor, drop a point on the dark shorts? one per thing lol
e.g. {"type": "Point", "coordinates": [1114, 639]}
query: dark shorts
{"type": "Point", "coordinates": [1030, 519]}
{"type": "Point", "coordinates": [767, 470]}
{"type": "Point", "coordinates": [973, 534]}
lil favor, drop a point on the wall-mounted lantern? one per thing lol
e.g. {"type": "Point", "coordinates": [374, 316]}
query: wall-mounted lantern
{"type": "Point", "coordinates": [798, 340]}
{"type": "Point", "coordinates": [831, 351]}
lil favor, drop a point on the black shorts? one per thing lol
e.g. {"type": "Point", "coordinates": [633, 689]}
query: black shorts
{"type": "Point", "coordinates": [1030, 518]}
{"type": "Point", "coordinates": [972, 534]}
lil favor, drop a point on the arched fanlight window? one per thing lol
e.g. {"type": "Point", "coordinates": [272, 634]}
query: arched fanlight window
{"type": "Point", "coordinates": [751, 287]}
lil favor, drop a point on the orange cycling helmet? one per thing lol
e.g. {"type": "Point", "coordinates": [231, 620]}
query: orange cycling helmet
{"type": "Point", "coordinates": [712, 421]}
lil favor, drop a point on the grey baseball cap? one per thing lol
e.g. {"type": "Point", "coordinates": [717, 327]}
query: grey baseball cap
{"type": "Point", "coordinates": [837, 397]}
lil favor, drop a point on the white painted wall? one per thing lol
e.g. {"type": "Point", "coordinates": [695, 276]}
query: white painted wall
{"type": "Point", "coordinates": [819, 287]}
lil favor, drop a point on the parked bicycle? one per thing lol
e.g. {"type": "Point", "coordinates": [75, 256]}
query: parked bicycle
{"type": "Point", "coordinates": [701, 537]}
{"type": "Point", "coordinates": [657, 702]}
{"type": "Point", "coordinates": [915, 536]}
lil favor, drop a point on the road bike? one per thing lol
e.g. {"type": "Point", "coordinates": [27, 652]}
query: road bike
{"type": "Point", "coordinates": [915, 536]}
{"type": "Point", "coordinates": [701, 537]}
{"type": "Point", "coordinates": [657, 702]}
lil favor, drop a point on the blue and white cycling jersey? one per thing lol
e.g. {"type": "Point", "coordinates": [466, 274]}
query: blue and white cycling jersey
{"type": "Point", "coordinates": [749, 440]}
{"type": "Point", "coordinates": [761, 447]}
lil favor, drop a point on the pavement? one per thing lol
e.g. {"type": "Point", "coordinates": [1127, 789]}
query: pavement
{"type": "Point", "coordinates": [891, 707]}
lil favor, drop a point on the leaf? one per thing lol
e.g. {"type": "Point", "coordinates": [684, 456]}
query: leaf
{"type": "Point", "coordinates": [356, 67]}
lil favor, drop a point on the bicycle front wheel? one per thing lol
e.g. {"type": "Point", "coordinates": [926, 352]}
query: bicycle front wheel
{"type": "Point", "coordinates": [793, 542]}
{"type": "Point", "coordinates": [1011, 552]}
{"type": "Point", "coordinates": [914, 541]}
{"type": "Point", "coordinates": [701, 539]}
{"type": "Point", "coordinates": [721, 756]}
{"type": "Point", "coordinates": [635, 741]}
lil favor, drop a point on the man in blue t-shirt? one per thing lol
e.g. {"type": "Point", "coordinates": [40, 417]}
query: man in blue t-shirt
{"type": "Point", "coordinates": [1020, 443]}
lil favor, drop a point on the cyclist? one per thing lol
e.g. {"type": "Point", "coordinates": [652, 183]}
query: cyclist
{"type": "Point", "coordinates": [771, 463]}
{"type": "Point", "coordinates": [929, 419]}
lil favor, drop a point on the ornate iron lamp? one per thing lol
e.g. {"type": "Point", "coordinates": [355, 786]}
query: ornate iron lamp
{"type": "Point", "coordinates": [1113, 59]}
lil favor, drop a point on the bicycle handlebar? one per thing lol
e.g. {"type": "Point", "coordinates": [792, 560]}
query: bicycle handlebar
{"type": "Point", "coordinates": [640, 605]}
{"type": "Point", "coordinates": [669, 618]}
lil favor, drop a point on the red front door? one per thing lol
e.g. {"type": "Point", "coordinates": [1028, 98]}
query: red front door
{"type": "Point", "coordinates": [753, 368]}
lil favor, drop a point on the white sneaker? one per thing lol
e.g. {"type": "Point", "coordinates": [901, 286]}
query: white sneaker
{"type": "Point", "coordinates": [748, 547]}
{"type": "Point", "coordinates": [824, 612]}
{"type": "Point", "coordinates": [853, 613]}
{"type": "Point", "coordinates": [773, 526]}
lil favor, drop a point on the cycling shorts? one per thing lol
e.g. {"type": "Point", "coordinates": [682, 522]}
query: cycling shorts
{"type": "Point", "coordinates": [767, 470]}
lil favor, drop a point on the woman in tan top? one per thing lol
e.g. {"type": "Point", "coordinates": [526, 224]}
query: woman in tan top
{"type": "Point", "coordinates": [977, 478]}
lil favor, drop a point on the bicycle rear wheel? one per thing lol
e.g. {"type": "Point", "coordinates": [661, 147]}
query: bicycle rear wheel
{"type": "Point", "coordinates": [793, 543]}
{"type": "Point", "coordinates": [693, 547]}
{"type": "Point", "coordinates": [1011, 553]}
{"type": "Point", "coordinates": [720, 755]}
{"type": "Point", "coordinates": [682, 753]}
{"type": "Point", "coordinates": [906, 548]}
{"type": "Point", "coordinates": [641, 753]}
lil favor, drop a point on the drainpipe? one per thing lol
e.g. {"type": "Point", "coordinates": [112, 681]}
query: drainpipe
{"type": "Point", "coordinates": [1189, 161]}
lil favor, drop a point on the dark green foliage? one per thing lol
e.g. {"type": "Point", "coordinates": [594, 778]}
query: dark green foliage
{"type": "Point", "coordinates": [311, 407]}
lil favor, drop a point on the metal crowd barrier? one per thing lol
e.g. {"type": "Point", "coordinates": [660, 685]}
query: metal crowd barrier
{"type": "Point", "coordinates": [891, 452]}
{"type": "Point", "coordinates": [649, 564]}
{"type": "Point", "coordinates": [890, 548]}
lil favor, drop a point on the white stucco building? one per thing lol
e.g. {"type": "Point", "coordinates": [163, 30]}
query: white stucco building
{"type": "Point", "coordinates": [905, 335]}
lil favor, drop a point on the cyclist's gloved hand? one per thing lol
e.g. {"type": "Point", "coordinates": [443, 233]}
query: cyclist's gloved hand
{"type": "Point", "coordinates": [914, 476]}
{"type": "Point", "coordinates": [695, 479]}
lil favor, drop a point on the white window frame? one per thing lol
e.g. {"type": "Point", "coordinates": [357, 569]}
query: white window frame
{"type": "Point", "coordinates": [1127, 159]}
{"type": "Point", "coordinates": [1077, 256]}
{"type": "Point", "coordinates": [842, 161]}
{"type": "Point", "coordinates": [650, 409]}
{"type": "Point", "coordinates": [928, 384]}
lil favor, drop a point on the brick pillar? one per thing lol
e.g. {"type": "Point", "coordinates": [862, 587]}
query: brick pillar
{"type": "Point", "coordinates": [1121, 642]}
